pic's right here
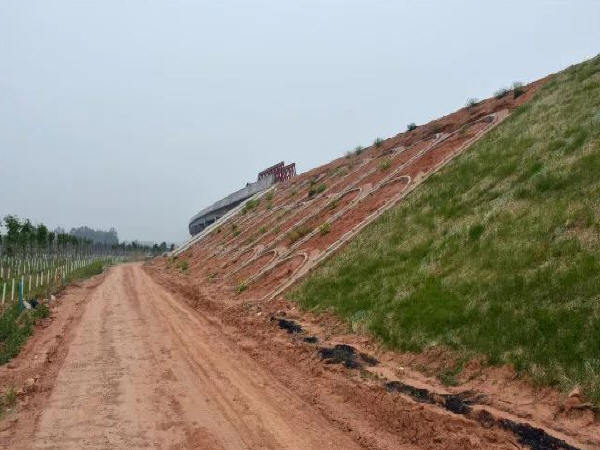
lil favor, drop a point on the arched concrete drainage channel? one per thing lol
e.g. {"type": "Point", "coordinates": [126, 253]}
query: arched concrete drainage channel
{"type": "Point", "coordinates": [241, 248]}
{"type": "Point", "coordinates": [250, 268]}
{"type": "Point", "coordinates": [359, 168]}
{"type": "Point", "coordinates": [271, 278]}
{"type": "Point", "coordinates": [236, 241]}
{"type": "Point", "coordinates": [351, 217]}
{"type": "Point", "coordinates": [317, 255]}
{"type": "Point", "coordinates": [330, 219]}
{"type": "Point", "coordinates": [390, 202]}
{"type": "Point", "coordinates": [240, 258]}
{"type": "Point", "coordinates": [272, 239]}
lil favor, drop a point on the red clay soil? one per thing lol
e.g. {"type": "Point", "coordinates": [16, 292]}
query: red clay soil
{"type": "Point", "coordinates": [331, 208]}
{"type": "Point", "coordinates": [291, 219]}
{"type": "Point", "coordinates": [254, 267]}
{"type": "Point", "coordinates": [239, 259]}
{"type": "Point", "coordinates": [33, 372]}
{"type": "Point", "coordinates": [275, 276]}
{"type": "Point", "coordinates": [355, 216]}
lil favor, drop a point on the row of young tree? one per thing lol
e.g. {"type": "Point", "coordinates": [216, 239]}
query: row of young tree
{"type": "Point", "coordinates": [21, 237]}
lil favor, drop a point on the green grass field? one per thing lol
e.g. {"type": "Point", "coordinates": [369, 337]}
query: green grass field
{"type": "Point", "coordinates": [498, 254]}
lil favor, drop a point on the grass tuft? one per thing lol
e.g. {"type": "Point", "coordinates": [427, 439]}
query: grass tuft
{"type": "Point", "coordinates": [384, 165]}
{"type": "Point", "coordinates": [316, 189]}
{"type": "Point", "coordinates": [471, 102]}
{"type": "Point", "coordinates": [250, 205]}
{"type": "Point", "coordinates": [298, 233]}
{"type": "Point", "coordinates": [517, 89]}
{"type": "Point", "coordinates": [324, 229]}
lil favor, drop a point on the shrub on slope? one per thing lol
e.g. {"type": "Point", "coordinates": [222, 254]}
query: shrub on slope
{"type": "Point", "coordinates": [497, 254]}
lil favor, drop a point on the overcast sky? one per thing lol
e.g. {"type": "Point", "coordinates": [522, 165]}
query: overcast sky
{"type": "Point", "coordinates": [137, 114]}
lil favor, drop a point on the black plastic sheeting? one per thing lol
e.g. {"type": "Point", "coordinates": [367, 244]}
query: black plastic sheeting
{"type": "Point", "coordinates": [346, 355]}
{"type": "Point", "coordinates": [532, 437]}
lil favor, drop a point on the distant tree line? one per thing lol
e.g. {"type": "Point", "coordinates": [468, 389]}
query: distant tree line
{"type": "Point", "coordinates": [19, 236]}
{"type": "Point", "coordinates": [109, 237]}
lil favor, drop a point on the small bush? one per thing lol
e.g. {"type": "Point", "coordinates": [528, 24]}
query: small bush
{"type": "Point", "coordinates": [298, 233]}
{"type": "Point", "coordinates": [183, 265]}
{"type": "Point", "coordinates": [411, 126]}
{"type": "Point", "coordinates": [250, 205]}
{"type": "Point", "coordinates": [324, 229]}
{"type": "Point", "coordinates": [377, 142]}
{"type": "Point", "coordinates": [241, 287]}
{"type": "Point", "coordinates": [41, 312]}
{"type": "Point", "coordinates": [236, 232]}
{"type": "Point", "coordinates": [314, 190]}
{"type": "Point", "coordinates": [262, 230]}
{"type": "Point", "coordinates": [340, 171]}
{"type": "Point", "coordinates": [358, 149]}
{"type": "Point", "coordinates": [475, 231]}
{"type": "Point", "coordinates": [9, 399]}
{"type": "Point", "coordinates": [269, 196]}
{"type": "Point", "coordinates": [385, 164]}
{"type": "Point", "coordinates": [332, 204]}
{"type": "Point", "coordinates": [471, 102]}
{"type": "Point", "coordinates": [500, 93]}
{"type": "Point", "coordinates": [518, 89]}
{"type": "Point", "coordinates": [14, 329]}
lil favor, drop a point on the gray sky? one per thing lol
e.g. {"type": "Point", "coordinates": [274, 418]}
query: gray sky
{"type": "Point", "coordinates": [136, 114]}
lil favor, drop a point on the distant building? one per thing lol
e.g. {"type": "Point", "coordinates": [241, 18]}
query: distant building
{"type": "Point", "coordinates": [274, 174]}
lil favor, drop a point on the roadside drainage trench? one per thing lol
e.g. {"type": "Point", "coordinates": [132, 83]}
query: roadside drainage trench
{"type": "Point", "coordinates": [293, 328]}
{"type": "Point", "coordinates": [460, 403]}
{"type": "Point", "coordinates": [527, 435]}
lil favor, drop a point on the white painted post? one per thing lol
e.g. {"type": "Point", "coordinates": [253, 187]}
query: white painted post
{"type": "Point", "coordinates": [12, 290]}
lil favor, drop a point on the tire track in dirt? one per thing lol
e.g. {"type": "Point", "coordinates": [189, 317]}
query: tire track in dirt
{"type": "Point", "coordinates": [144, 371]}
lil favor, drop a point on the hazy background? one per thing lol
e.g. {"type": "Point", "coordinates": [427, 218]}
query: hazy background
{"type": "Point", "coordinates": [136, 114]}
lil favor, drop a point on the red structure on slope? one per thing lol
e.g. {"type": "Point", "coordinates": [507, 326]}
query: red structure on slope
{"type": "Point", "coordinates": [280, 172]}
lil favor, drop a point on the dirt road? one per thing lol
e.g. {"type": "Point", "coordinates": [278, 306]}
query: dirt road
{"type": "Point", "coordinates": [144, 371]}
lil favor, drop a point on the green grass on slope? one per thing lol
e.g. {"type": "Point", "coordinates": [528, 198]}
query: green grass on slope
{"type": "Point", "coordinates": [497, 254]}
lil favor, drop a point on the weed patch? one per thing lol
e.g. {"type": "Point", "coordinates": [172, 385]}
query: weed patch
{"type": "Point", "coordinates": [298, 233]}
{"type": "Point", "coordinates": [324, 229]}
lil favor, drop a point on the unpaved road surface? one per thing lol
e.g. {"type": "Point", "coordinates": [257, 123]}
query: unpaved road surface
{"type": "Point", "coordinates": [144, 371]}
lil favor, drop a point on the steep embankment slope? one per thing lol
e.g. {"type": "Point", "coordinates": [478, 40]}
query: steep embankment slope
{"type": "Point", "coordinates": [498, 254]}
{"type": "Point", "coordinates": [491, 258]}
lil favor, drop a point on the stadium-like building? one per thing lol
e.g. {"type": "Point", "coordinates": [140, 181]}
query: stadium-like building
{"type": "Point", "coordinates": [274, 174]}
